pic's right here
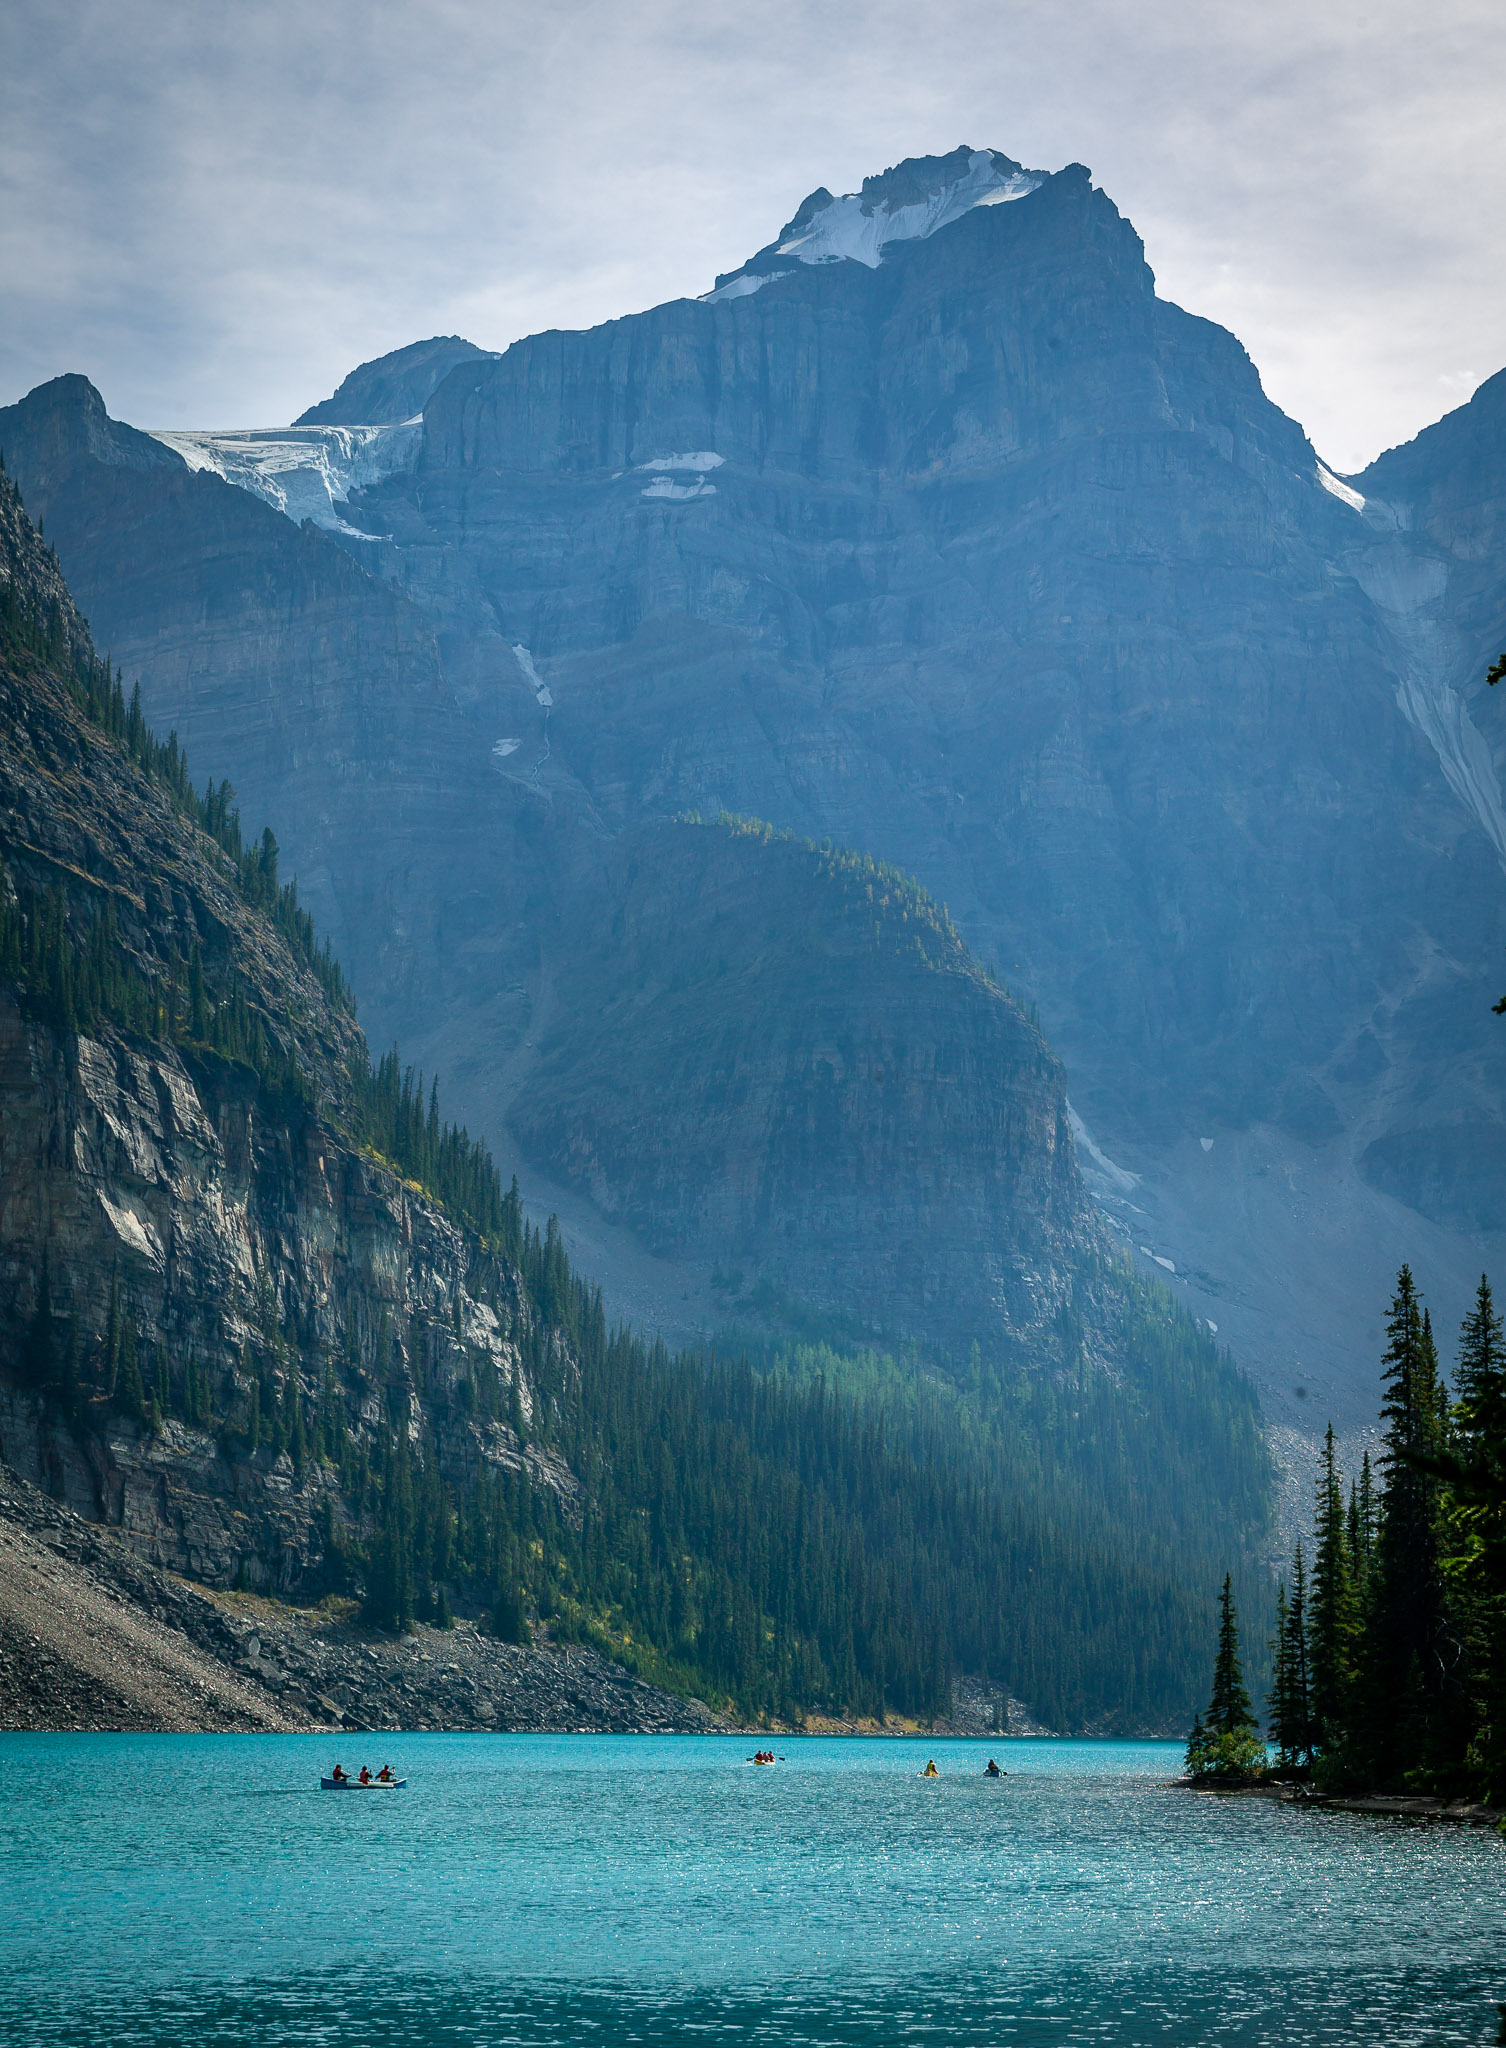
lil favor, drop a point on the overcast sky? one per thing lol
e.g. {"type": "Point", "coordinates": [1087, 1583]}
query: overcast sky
{"type": "Point", "coordinates": [215, 208]}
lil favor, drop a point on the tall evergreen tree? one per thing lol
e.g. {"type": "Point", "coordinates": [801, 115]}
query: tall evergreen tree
{"type": "Point", "coordinates": [1291, 1713]}
{"type": "Point", "coordinates": [1224, 1742]}
{"type": "Point", "coordinates": [1229, 1710]}
{"type": "Point", "coordinates": [1333, 1630]}
{"type": "Point", "coordinates": [130, 1394]}
{"type": "Point", "coordinates": [390, 1593]}
{"type": "Point", "coordinates": [1480, 1380]}
{"type": "Point", "coordinates": [1478, 1515]}
{"type": "Point", "coordinates": [1362, 1539]}
{"type": "Point", "coordinates": [1407, 1670]}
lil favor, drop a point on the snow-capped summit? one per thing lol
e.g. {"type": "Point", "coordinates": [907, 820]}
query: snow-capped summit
{"type": "Point", "coordinates": [905, 204]}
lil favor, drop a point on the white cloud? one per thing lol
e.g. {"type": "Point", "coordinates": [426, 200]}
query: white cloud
{"type": "Point", "coordinates": [216, 211]}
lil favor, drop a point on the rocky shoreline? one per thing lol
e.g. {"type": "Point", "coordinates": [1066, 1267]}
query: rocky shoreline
{"type": "Point", "coordinates": [92, 1638]}
{"type": "Point", "coordinates": [1393, 1805]}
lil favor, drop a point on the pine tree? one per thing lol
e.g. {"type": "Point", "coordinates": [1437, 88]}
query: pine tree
{"type": "Point", "coordinates": [1224, 1743]}
{"type": "Point", "coordinates": [1480, 1381]}
{"type": "Point", "coordinates": [297, 1435]}
{"type": "Point", "coordinates": [1276, 1698]}
{"type": "Point", "coordinates": [130, 1394]}
{"type": "Point", "coordinates": [1291, 1690]}
{"type": "Point", "coordinates": [1229, 1710]}
{"type": "Point", "coordinates": [1333, 1630]}
{"type": "Point", "coordinates": [390, 1591]}
{"type": "Point", "coordinates": [1405, 1672]}
{"type": "Point", "coordinates": [331, 1547]}
{"type": "Point", "coordinates": [1478, 1516]}
{"type": "Point", "coordinates": [1362, 1546]}
{"type": "Point", "coordinates": [162, 1388]}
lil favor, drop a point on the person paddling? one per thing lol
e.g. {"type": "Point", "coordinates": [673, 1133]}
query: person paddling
{"type": "Point", "coordinates": [991, 1770]}
{"type": "Point", "coordinates": [930, 1770]}
{"type": "Point", "coordinates": [365, 1775]}
{"type": "Point", "coordinates": [338, 1776]}
{"type": "Point", "coordinates": [384, 1775]}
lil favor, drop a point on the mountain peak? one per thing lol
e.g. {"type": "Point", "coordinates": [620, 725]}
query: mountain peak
{"type": "Point", "coordinates": [64, 422]}
{"type": "Point", "coordinates": [393, 388]}
{"type": "Point", "coordinates": [906, 203]}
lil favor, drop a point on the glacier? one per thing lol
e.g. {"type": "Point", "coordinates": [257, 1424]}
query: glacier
{"type": "Point", "coordinates": [302, 472]}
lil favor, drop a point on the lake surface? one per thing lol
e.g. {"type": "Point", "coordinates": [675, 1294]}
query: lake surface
{"type": "Point", "coordinates": [524, 1890]}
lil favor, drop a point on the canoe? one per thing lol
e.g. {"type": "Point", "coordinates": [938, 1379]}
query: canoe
{"type": "Point", "coordinates": [355, 1785]}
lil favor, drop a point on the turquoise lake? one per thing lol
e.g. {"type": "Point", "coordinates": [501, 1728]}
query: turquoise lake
{"type": "Point", "coordinates": [530, 1889]}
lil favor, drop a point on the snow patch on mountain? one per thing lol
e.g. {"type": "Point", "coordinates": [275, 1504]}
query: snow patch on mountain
{"type": "Point", "coordinates": [1338, 489]}
{"type": "Point", "coordinates": [860, 229]}
{"type": "Point", "coordinates": [541, 691]}
{"type": "Point", "coordinates": [1410, 591]}
{"type": "Point", "coordinates": [1100, 1172]}
{"type": "Point", "coordinates": [661, 487]}
{"type": "Point", "coordinates": [741, 287]}
{"type": "Point", "coordinates": [302, 472]}
{"type": "Point", "coordinates": [700, 460]}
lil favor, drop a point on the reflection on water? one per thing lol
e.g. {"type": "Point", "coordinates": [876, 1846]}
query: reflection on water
{"type": "Point", "coordinates": [559, 1890]}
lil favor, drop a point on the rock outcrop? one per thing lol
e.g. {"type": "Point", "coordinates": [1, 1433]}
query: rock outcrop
{"type": "Point", "coordinates": [394, 387]}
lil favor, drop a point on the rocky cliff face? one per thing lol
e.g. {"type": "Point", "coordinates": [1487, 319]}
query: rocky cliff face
{"type": "Point", "coordinates": [1008, 571]}
{"type": "Point", "coordinates": [221, 1230]}
{"type": "Point", "coordinates": [932, 530]}
{"type": "Point", "coordinates": [1436, 513]}
{"type": "Point", "coordinates": [189, 1207]}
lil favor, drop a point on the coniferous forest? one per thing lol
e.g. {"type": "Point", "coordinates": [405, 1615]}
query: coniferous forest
{"type": "Point", "coordinates": [1389, 1653]}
